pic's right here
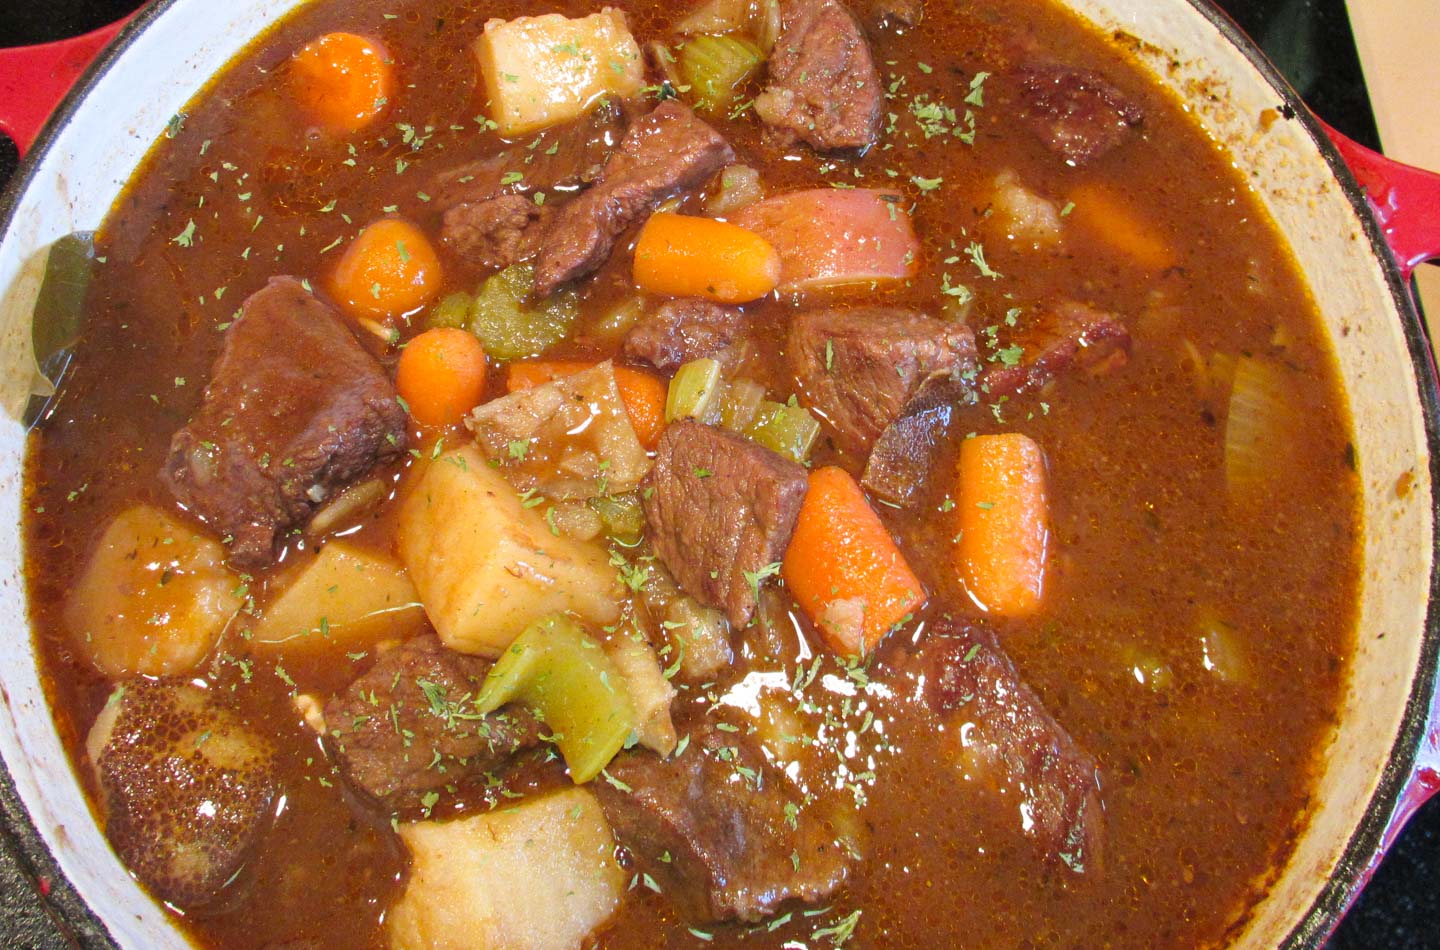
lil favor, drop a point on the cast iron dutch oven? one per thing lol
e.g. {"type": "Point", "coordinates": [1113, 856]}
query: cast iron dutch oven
{"type": "Point", "coordinates": [1356, 240]}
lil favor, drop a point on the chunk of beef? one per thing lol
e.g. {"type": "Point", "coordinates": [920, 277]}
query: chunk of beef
{"type": "Point", "coordinates": [188, 787]}
{"type": "Point", "coordinates": [663, 154]}
{"type": "Point", "coordinates": [1010, 742]}
{"type": "Point", "coordinates": [720, 507]}
{"type": "Point", "coordinates": [565, 159]}
{"type": "Point", "coordinates": [684, 330]}
{"type": "Point", "coordinates": [1076, 113]}
{"type": "Point", "coordinates": [719, 811]}
{"type": "Point", "coordinates": [295, 411]}
{"type": "Point", "coordinates": [1066, 335]}
{"type": "Point", "coordinates": [823, 86]}
{"type": "Point", "coordinates": [496, 232]}
{"type": "Point", "coordinates": [895, 14]}
{"type": "Point", "coordinates": [409, 723]}
{"type": "Point", "coordinates": [899, 464]}
{"type": "Point", "coordinates": [860, 367]}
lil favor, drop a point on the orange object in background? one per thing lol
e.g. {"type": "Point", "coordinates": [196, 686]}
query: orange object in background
{"type": "Point", "coordinates": [844, 569]}
{"type": "Point", "coordinates": [389, 270]}
{"type": "Point", "coordinates": [342, 80]}
{"type": "Point", "coordinates": [1001, 519]}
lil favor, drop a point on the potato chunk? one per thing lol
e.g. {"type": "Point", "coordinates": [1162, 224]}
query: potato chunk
{"type": "Point", "coordinates": [154, 597]}
{"type": "Point", "coordinates": [539, 876]}
{"type": "Point", "coordinates": [486, 566]}
{"type": "Point", "coordinates": [544, 70]}
{"type": "Point", "coordinates": [345, 597]}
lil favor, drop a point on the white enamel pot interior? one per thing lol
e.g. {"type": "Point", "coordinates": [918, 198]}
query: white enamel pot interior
{"type": "Point", "coordinates": [1383, 738]}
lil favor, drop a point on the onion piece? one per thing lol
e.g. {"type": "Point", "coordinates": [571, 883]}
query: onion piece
{"type": "Point", "coordinates": [758, 19]}
{"type": "Point", "coordinates": [1260, 430]}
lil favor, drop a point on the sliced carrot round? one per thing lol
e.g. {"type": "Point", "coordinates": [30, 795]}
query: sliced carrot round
{"type": "Point", "coordinates": [686, 256]}
{"type": "Point", "coordinates": [342, 80]}
{"type": "Point", "coordinates": [441, 375]}
{"type": "Point", "coordinates": [389, 270]}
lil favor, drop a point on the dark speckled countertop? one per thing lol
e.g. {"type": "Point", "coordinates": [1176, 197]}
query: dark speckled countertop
{"type": "Point", "coordinates": [1310, 40]}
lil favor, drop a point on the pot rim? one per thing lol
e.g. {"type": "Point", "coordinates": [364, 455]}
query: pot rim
{"type": "Point", "coordinates": [1367, 842]}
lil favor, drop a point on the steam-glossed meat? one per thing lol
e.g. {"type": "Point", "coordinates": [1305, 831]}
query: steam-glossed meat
{"type": "Point", "coordinates": [1065, 336]}
{"type": "Point", "coordinates": [720, 507]}
{"type": "Point", "coordinates": [295, 411]}
{"type": "Point", "coordinates": [683, 330]}
{"type": "Point", "coordinates": [1076, 113]}
{"type": "Point", "coordinates": [664, 153]}
{"type": "Point", "coordinates": [408, 725]}
{"type": "Point", "coordinates": [823, 86]}
{"type": "Point", "coordinates": [1007, 742]}
{"type": "Point", "coordinates": [860, 367]}
{"type": "Point", "coordinates": [718, 811]}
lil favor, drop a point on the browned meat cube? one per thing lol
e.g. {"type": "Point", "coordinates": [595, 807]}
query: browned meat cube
{"type": "Point", "coordinates": [823, 88]}
{"type": "Point", "coordinates": [683, 330]}
{"type": "Point", "coordinates": [1076, 113]}
{"type": "Point", "coordinates": [735, 852]}
{"type": "Point", "coordinates": [663, 154]}
{"type": "Point", "coordinates": [409, 724]}
{"type": "Point", "coordinates": [720, 508]}
{"type": "Point", "coordinates": [1061, 337]}
{"type": "Point", "coordinates": [858, 368]}
{"type": "Point", "coordinates": [1012, 743]}
{"type": "Point", "coordinates": [496, 232]}
{"type": "Point", "coordinates": [295, 411]}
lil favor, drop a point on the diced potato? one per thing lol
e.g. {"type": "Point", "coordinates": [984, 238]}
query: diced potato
{"type": "Point", "coordinates": [650, 692]}
{"type": "Point", "coordinates": [154, 597]}
{"type": "Point", "coordinates": [1024, 215]}
{"type": "Point", "coordinates": [486, 566]}
{"type": "Point", "coordinates": [539, 876]}
{"type": "Point", "coordinates": [345, 597]}
{"type": "Point", "coordinates": [544, 70]}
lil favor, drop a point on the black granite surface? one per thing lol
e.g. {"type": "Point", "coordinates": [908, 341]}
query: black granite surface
{"type": "Point", "coordinates": [1309, 40]}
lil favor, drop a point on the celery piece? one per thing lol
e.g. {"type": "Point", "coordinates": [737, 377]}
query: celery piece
{"type": "Point", "coordinates": [509, 326]}
{"type": "Point", "coordinates": [712, 66]}
{"type": "Point", "coordinates": [562, 674]}
{"type": "Point", "coordinates": [453, 311]}
{"type": "Point", "coordinates": [622, 515]}
{"type": "Point", "coordinates": [741, 401]}
{"type": "Point", "coordinates": [694, 390]}
{"type": "Point", "coordinates": [788, 430]}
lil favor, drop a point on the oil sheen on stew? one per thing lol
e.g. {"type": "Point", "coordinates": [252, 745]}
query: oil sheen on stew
{"type": "Point", "coordinates": [801, 473]}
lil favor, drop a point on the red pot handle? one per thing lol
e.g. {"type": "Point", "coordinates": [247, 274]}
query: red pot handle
{"type": "Point", "coordinates": [33, 80]}
{"type": "Point", "coordinates": [1405, 199]}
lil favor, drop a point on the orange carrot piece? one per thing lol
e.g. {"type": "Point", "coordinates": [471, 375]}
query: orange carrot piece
{"type": "Point", "coordinates": [390, 269]}
{"type": "Point", "coordinates": [343, 80]}
{"type": "Point", "coordinates": [642, 393]}
{"type": "Point", "coordinates": [1107, 214]}
{"type": "Point", "coordinates": [843, 568]}
{"type": "Point", "coordinates": [441, 375]}
{"type": "Point", "coordinates": [686, 256]}
{"type": "Point", "coordinates": [1001, 515]}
